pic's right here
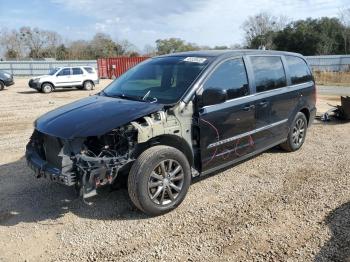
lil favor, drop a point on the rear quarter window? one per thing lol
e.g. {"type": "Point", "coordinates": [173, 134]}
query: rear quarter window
{"type": "Point", "coordinates": [298, 70]}
{"type": "Point", "coordinates": [268, 72]}
{"type": "Point", "coordinates": [90, 70]}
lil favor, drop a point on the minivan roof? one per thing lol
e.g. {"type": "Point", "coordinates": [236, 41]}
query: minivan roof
{"type": "Point", "coordinates": [228, 53]}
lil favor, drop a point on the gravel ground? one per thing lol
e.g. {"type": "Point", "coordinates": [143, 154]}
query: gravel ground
{"type": "Point", "coordinates": [275, 207]}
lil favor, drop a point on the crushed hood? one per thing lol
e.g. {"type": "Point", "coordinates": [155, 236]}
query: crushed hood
{"type": "Point", "coordinates": [92, 116]}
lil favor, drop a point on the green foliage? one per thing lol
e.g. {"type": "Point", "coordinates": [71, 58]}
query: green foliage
{"type": "Point", "coordinates": [322, 36]}
{"type": "Point", "coordinates": [62, 52]}
{"type": "Point", "coordinates": [172, 45]}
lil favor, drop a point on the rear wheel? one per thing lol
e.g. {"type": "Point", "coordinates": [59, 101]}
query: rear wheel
{"type": "Point", "coordinates": [46, 88]}
{"type": "Point", "coordinates": [2, 85]}
{"type": "Point", "coordinates": [297, 133]}
{"type": "Point", "coordinates": [159, 180]}
{"type": "Point", "coordinates": [88, 85]}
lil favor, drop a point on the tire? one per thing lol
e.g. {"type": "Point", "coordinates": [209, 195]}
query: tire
{"type": "Point", "coordinates": [88, 85]}
{"type": "Point", "coordinates": [2, 85]}
{"type": "Point", "coordinates": [147, 179]}
{"type": "Point", "coordinates": [46, 88]}
{"type": "Point", "coordinates": [297, 133]}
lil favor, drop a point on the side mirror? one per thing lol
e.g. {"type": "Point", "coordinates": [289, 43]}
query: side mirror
{"type": "Point", "coordinates": [213, 96]}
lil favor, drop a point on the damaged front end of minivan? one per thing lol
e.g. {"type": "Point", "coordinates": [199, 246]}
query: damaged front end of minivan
{"type": "Point", "coordinates": [93, 161]}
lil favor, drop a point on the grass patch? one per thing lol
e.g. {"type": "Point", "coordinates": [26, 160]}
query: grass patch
{"type": "Point", "coordinates": [332, 78]}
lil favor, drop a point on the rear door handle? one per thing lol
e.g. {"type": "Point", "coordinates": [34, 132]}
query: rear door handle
{"type": "Point", "coordinates": [248, 107]}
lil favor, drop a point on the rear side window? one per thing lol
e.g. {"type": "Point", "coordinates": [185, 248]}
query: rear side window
{"type": "Point", "coordinates": [298, 70]}
{"type": "Point", "coordinates": [230, 76]}
{"type": "Point", "coordinates": [77, 71]}
{"type": "Point", "coordinates": [64, 72]}
{"type": "Point", "coordinates": [269, 73]}
{"type": "Point", "coordinates": [90, 70]}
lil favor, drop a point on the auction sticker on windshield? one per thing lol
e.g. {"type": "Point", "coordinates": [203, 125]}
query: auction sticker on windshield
{"type": "Point", "coordinates": [199, 60]}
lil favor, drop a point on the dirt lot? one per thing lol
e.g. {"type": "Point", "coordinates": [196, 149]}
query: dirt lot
{"type": "Point", "coordinates": [275, 207]}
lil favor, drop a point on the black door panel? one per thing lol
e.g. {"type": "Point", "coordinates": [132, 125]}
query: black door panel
{"type": "Point", "coordinates": [223, 126]}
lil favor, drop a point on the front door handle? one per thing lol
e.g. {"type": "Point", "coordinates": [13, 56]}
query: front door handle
{"type": "Point", "coordinates": [263, 103]}
{"type": "Point", "coordinates": [248, 107]}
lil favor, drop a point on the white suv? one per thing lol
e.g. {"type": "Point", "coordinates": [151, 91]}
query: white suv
{"type": "Point", "coordinates": [82, 77]}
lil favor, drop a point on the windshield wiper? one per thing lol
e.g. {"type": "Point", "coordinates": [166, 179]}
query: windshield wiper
{"type": "Point", "coordinates": [135, 98]}
{"type": "Point", "coordinates": [146, 95]}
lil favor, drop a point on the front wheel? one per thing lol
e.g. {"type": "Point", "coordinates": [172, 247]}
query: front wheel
{"type": "Point", "coordinates": [46, 88]}
{"type": "Point", "coordinates": [159, 180]}
{"type": "Point", "coordinates": [297, 133]}
{"type": "Point", "coordinates": [2, 85]}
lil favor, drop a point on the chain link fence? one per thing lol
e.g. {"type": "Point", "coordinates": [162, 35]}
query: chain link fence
{"type": "Point", "coordinates": [330, 63]}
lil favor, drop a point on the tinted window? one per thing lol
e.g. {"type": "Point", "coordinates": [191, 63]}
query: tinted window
{"type": "Point", "coordinates": [77, 71]}
{"type": "Point", "coordinates": [90, 70]}
{"type": "Point", "coordinates": [299, 71]}
{"type": "Point", "coordinates": [269, 73]}
{"type": "Point", "coordinates": [230, 76]}
{"type": "Point", "coordinates": [64, 72]}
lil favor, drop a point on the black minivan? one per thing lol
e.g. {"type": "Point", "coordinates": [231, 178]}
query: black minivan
{"type": "Point", "coordinates": [175, 117]}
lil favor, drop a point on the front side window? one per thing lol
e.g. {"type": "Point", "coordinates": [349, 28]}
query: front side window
{"type": "Point", "coordinates": [230, 76]}
{"type": "Point", "coordinates": [298, 70]}
{"type": "Point", "coordinates": [64, 72]}
{"type": "Point", "coordinates": [77, 71]}
{"type": "Point", "coordinates": [268, 72]}
{"type": "Point", "coordinates": [162, 79]}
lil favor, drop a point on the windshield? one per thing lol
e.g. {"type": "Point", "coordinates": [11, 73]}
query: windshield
{"type": "Point", "coordinates": [162, 79]}
{"type": "Point", "coordinates": [53, 71]}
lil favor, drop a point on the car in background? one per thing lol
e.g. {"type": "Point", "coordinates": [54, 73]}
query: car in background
{"type": "Point", "coordinates": [82, 77]}
{"type": "Point", "coordinates": [6, 79]}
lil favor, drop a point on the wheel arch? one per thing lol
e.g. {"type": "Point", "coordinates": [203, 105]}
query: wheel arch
{"type": "Point", "coordinates": [47, 82]}
{"type": "Point", "coordinates": [306, 112]}
{"type": "Point", "coordinates": [172, 141]}
{"type": "Point", "coordinates": [88, 80]}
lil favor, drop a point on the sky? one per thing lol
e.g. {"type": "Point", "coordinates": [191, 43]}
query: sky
{"type": "Point", "coordinates": [205, 22]}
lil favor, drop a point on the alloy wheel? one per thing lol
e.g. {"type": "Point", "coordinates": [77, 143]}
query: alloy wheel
{"type": "Point", "coordinates": [165, 182]}
{"type": "Point", "coordinates": [298, 132]}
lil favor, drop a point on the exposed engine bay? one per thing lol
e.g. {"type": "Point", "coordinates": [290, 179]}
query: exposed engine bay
{"type": "Point", "coordinates": [91, 162]}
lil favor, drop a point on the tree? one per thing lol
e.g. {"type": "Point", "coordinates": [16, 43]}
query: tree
{"type": "Point", "coordinates": [62, 52]}
{"type": "Point", "coordinates": [80, 49]}
{"type": "Point", "coordinates": [149, 50]}
{"type": "Point", "coordinates": [172, 45]}
{"type": "Point", "coordinates": [258, 29]}
{"type": "Point", "coordinates": [11, 44]}
{"type": "Point", "coordinates": [40, 43]}
{"type": "Point", "coordinates": [220, 47]}
{"type": "Point", "coordinates": [311, 37]}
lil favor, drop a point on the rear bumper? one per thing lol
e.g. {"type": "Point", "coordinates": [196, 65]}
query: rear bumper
{"type": "Point", "coordinates": [42, 168]}
{"type": "Point", "coordinates": [96, 82]}
{"type": "Point", "coordinates": [312, 115]}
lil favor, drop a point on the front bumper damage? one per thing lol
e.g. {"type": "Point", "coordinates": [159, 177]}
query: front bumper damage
{"type": "Point", "coordinates": [72, 163]}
